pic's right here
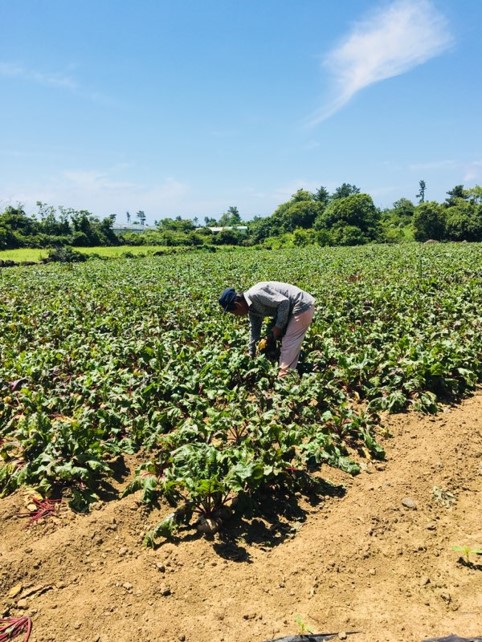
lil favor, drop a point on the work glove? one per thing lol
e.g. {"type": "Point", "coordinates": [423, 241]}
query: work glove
{"type": "Point", "coordinates": [267, 345]}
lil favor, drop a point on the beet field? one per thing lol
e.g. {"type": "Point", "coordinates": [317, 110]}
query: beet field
{"type": "Point", "coordinates": [130, 362]}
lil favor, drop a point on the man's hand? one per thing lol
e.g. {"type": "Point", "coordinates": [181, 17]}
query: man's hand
{"type": "Point", "coordinates": [270, 341]}
{"type": "Point", "coordinates": [262, 343]}
{"type": "Point", "coordinates": [266, 344]}
{"type": "Point", "coordinates": [276, 332]}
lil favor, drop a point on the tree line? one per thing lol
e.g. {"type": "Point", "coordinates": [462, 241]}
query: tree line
{"type": "Point", "coordinates": [52, 228]}
{"type": "Point", "coordinates": [345, 217]}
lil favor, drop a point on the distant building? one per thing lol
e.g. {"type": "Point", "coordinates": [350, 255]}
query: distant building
{"type": "Point", "coordinates": [131, 227]}
{"type": "Point", "coordinates": [237, 228]}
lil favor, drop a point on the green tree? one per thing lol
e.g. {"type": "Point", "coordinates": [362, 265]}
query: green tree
{"type": "Point", "coordinates": [421, 193]}
{"type": "Point", "coordinates": [7, 239]}
{"type": "Point", "coordinates": [463, 222]}
{"type": "Point", "coordinates": [475, 194]}
{"type": "Point", "coordinates": [429, 222]}
{"type": "Point", "coordinates": [15, 220]}
{"type": "Point", "coordinates": [230, 218]}
{"type": "Point", "coordinates": [455, 195]}
{"type": "Point", "coordinates": [322, 195]}
{"type": "Point", "coordinates": [355, 211]}
{"type": "Point", "coordinates": [403, 210]}
{"type": "Point", "coordinates": [141, 217]}
{"type": "Point", "coordinates": [324, 238]}
{"type": "Point", "coordinates": [348, 235]}
{"type": "Point", "coordinates": [345, 190]}
{"type": "Point", "coordinates": [89, 230]}
{"type": "Point", "coordinates": [227, 237]}
{"type": "Point", "coordinates": [177, 224]}
{"type": "Point", "coordinates": [301, 238]}
{"type": "Point", "coordinates": [301, 214]}
{"type": "Point", "coordinates": [51, 223]}
{"type": "Point", "coordinates": [17, 229]}
{"type": "Point", "coordinates": [397, 221]}
{"type": "Point", "coordinates": [261, 228]}
{"type": "Point", "coordinates": [106, 231]}
{"type": "Point", "coordinates": [301, 195]}
{"type": "Point", "coordinates": [300, 211]}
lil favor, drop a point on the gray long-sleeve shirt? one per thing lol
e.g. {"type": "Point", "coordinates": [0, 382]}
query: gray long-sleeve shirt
{"type": "Point", "coordinates": [273, 299]}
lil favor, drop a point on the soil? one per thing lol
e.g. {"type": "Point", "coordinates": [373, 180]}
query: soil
{"type": "Point", "coordinates": [374, 555]}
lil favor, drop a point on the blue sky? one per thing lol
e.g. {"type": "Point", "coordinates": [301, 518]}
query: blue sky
{"type": "Point", "coordinates": [188, 107]}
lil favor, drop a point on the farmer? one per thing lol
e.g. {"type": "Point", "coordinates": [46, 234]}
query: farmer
{"type": "Point", "coordinates": [290, 308]}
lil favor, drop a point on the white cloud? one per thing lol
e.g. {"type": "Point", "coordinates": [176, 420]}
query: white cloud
{"type": "Point", "coordinates": [108, 194]}
{"type": "Point", "coordinates": [53, 79]}
{"type": "Point", "coordinates": [103, 193]}
{"type": "Point", "coordinates": [393, 40]}
{"type": "Point", "coordinates": [466, 171]}
{"type": "Point", "coordinates": [95, 182]}
{"type": "Point", "coordinates": [10, 70]}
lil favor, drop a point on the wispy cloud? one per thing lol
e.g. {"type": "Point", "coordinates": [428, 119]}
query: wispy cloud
{"type": "Point", "coordinates": [14, 70]}
{"type": "Point", "coordinates": [93, 181]}
{"type": "Point", "coordinates": [390, 42]}
{"type": "Point", "coordinates": [105, 188]}
{"type": "Point", "coordinates": [467, 171]}
{"type": "Point", "coordinates": [55, 80]}
{"type": "Point", "coordinates": [106, 191]}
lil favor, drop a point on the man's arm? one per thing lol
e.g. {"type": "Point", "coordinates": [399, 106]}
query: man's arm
{"type": "Point", "coordinates": [282, 315]}
{"type": "Point", "coordinates": [255, 323]}
{"type": "Point", "coordinates": [277, 302]}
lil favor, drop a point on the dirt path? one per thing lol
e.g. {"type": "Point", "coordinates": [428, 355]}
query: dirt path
{"type": "Point", "coordinates": [377, 558]}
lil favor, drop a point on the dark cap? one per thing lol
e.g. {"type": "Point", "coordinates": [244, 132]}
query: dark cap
{"type": "Point", "coordinates": [227, 298]}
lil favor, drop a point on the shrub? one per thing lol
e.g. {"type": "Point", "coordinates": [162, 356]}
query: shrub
{"type": "Point", "coordinates": [65, 255]}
